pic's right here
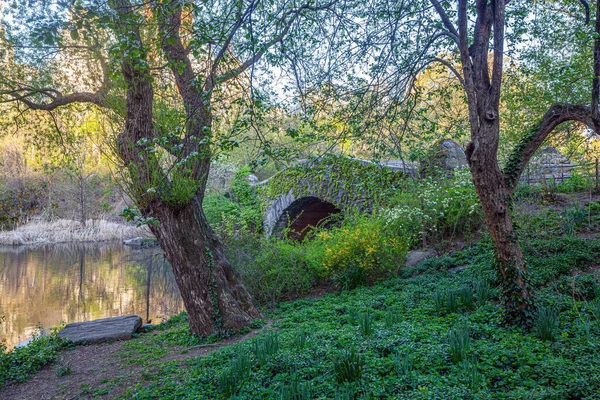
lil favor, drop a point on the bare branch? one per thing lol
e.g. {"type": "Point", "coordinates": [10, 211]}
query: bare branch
{"type": "Point", "coordinates": [287, 25]}
{"type": "Point", "coordinates": [452, 69]}
{"type": "Point", "coordinates": [587, 11]}
{"type": "Point", "coordinates": [445, 20]}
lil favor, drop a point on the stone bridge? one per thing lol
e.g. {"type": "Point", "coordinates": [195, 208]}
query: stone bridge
{"type": "Point", "coordinates": [308, 193]}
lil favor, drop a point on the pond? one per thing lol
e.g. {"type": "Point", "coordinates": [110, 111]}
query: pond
{"type": "Point", "coordinates": [45, 286]}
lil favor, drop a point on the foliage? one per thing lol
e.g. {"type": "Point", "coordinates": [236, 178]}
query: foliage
{"type": "Point", "coordinates": [348, 366]}
{"type": "Point", "coordinates": [265, 347]}
{"type": "Point", "coordinates": [459, 341]}
{"type": "Point", "coordinates": [405, 367]}
{"type": "Point", "coordinates": [237, 214]}
{"type": "Point", "coordinates": [276, 270]}
{"type": "Point", "coordinates": [21, 362]}
{"type": "Point", "coordinates": [436, 207]}
{"type": "Point", "coordinates": [482, 290]}
{"type": "Point", "coordinates": [365, 324]}
{"type": "Point", "coordinates": [412, 358]}
{"type": "Point", "coordinates": [575, 183]}
{"type": "Point", "coordinates": [355, 253]}
{"type": "Point", "coordinates": [365, 185]}
{"type": "Point", "coordinates": [363, 247]}
{"type": "Point", "coordinates": [295, 391]}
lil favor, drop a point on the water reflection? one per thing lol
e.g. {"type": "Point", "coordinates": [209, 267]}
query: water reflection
{"type": "Point", "coordinates": [46, 285]}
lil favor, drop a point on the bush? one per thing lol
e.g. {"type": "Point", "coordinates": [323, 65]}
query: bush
{"type": "Point", "coordinates": [436, 208]}
{"type": "Point", "coordinates": [575, 183]}
{"type": "Point", "coordinates": [362, 248]}
{"type": "Point", "coordinates": [238, 214]}
{"type": "Point", "coordinates": [279, 270]}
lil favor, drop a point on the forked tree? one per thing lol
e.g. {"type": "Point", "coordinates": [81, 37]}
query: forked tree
{"type": "Point", "coordinates": [482, 80]}
{"type": "Point", "coordinates": [202, 45]}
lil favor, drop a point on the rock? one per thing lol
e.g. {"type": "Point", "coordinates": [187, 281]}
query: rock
{"type": "Point", "coordinates": [252, 179]}
{"type": "Point", "coordinates": [548, 164]}
{"type": "Point", "coordinates": [446, 155]}
{"type": "Point", "coordinates": [137, 241]}
{"type": "Point", "coordinates": [100, 330]}
{"type": "Point", "coordinates": [415, 257]}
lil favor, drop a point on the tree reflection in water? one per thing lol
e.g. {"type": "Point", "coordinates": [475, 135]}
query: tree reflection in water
{"type": "Point", "coordinates": [47, 285]}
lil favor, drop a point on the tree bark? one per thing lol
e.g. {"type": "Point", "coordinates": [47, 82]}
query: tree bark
{"type": "Point", "coordinates": [494, 196]}
{"type": "Point", "coordinates": [214, 296]}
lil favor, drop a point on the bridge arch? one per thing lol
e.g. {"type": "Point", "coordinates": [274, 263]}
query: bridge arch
{"type": "Point", "coordinates": [307, 193]}
{"type": "Point", "coordinates": [304, 214]}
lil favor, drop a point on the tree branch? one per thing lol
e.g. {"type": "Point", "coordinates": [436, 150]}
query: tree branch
{"type": "Point", "coordinates": [555, 115]}
{"type": "Point", "coordinates": [596, 80]}
{"type": "Point", "coordinates": [27, 94]}
{"type": "Point", "coordinates": [445, 20]}
{"type": "Point", "coordinates": [287, 25]}
{"type": "Point", "coordinates": [452, 69]}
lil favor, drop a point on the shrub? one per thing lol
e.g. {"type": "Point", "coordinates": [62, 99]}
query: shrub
{"type": "Point", "coordinates": [575, 183]}
{"type": "Point", "coordinates": [280, 270]}
{"type": "Point", "coordinates": [362, 248]}
{"type": "Point", "coordinates": [436, 207]}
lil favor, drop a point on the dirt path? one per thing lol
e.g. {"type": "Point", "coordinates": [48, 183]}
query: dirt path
{"type": "Point", "coordinates": [100, 371]}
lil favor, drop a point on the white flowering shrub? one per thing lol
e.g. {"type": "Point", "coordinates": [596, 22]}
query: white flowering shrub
{"type": "Point", "coordinates": [436, 208]}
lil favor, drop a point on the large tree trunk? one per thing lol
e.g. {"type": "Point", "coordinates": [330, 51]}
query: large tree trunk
{"type": "Point", "coordinates": [495, 200]}
{"type": "Point", "coordinates": [212, 291]}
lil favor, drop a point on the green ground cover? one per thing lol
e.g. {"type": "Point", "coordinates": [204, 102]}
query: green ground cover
{"type": "Point", "coordinates": [433, 332]}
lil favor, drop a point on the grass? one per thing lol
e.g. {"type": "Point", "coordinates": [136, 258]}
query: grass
{"type": "Point", "coordinates": [323, 351]}
{"type": "Point", "coordinates": [69, 231]}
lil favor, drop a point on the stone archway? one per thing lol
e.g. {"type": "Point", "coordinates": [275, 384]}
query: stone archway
{"type": "Point", "coordinates": [302, 215]}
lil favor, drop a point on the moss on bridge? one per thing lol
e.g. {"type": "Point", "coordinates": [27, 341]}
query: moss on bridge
{"type": "Point", "coordinates": [349, 184]}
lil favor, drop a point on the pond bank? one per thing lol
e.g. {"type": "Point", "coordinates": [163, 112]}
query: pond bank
{"type": "Point", "coordinates": [69, 231]}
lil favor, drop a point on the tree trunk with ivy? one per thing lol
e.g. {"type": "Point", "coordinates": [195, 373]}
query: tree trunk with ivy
{"type": "Point", "coordinates": [495, 187]}
{"type": "Point", "coordinates": [212, 291]}
{"type": "Point", "coordinates": [214, 296]}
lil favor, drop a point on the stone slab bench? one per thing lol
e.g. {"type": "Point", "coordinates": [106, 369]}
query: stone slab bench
{"type": "Point", "coordinates": [101, 330]}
